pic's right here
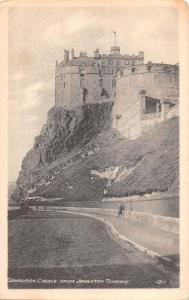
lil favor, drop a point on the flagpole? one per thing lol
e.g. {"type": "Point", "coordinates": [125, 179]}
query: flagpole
{"type": "Point", "coordinates": [114, 37]}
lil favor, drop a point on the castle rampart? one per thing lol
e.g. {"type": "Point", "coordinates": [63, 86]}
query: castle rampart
{"type": "Point", "coordinates": [144, 96]}
{"type": "Point", "coordinates": [148, 68]}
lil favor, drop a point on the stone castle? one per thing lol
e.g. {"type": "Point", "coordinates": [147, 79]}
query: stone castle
{"type": "Point", "coordinates": [143, 94]}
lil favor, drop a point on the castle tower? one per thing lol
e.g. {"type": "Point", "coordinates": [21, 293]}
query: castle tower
{"type": "Point", "coordinates": [97, 53]}
{"type": "Point", "coordinates": [66, 55]}
{"type": "Point", "coordinates": [72, 54]}
{"type": "Point", "coordinates": [115, 50]}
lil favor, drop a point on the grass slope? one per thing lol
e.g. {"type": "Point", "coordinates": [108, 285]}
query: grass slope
{"type": "Point", "coordinates": [157, 151]}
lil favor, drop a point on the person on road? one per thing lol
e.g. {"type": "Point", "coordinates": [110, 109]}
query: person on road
{"type": "Point", "coordinates": [120, 210]}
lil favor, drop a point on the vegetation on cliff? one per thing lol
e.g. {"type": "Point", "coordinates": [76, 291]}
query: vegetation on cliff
{"type": "Point", "coordinates": [78, 156]}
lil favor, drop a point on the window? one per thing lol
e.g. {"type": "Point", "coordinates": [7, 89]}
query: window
{"type": "Point", "coordinates": [104, 93]}
{"type": "Point", "coordinates": [101, 82]}
{"type": "Point", "coordinates": [152, 105]}
{"type": "Point", "coordinates": [149, 68]}
{"type": "Point", "coordinates": [64, 84]}
{"type": "Point", "coordinates": [85, 93]}
{"type": "Point", "coordinates": [134, 62]}
{"type": "Point", "coordinates": [121, 73]}
{"type": "Point", "coordinates": [110, 62]}
{"type": "Point", "coordinates": [126, 62]}
{"type": "Point", "coordinates": [133, 70]}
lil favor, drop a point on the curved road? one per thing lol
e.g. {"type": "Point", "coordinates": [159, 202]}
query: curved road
{"type": "Point", "coordinates": [76, 252]}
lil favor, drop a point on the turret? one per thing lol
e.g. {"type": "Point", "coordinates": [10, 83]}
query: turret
{"type": "Point", "coordinates": [115, 50]}
{"type": "Point", "coordinates": [66, 55]}
{"type": "Point", "coordinates": [83, 54]}
{"type": "Point", "coordinates": [96, 53]}
{"type": "Point", "coordinates": [72, 54]}
{"type": "Point", "coordinates": [141, 54]}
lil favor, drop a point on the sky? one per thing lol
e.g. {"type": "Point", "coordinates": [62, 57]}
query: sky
{"type": "Point", "coordinates": [37, 38]}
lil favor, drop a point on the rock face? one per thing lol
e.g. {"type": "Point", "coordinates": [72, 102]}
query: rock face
{"type": "Point", "coordinates": [64, 130]}
{"type": "Point", "coordinates": [79, 157]}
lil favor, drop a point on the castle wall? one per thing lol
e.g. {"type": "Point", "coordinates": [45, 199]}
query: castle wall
{"type": "Point", "coordinates": [173, 112]}
{"type": "Point", "coordinates": [66, 86]}
{"type": "Point", "coordinates": [91, 83]}
{"type": "Point", "coordinates": [75, 90]}
{"type": "Point", "coordinates": [150, 121]}
{"type": "Point", "coordinates": [157, 83]}
{"type": "Point", "coordinates": [92, 74]}
{"type": "Point", "coordinates": [127, 121]}
{"type": "Point", "coordinates": [58, 91]}
{"type": "Point", "coordinates": [66, 90]}
{"type": "Point", "coordinates": [109, 85]}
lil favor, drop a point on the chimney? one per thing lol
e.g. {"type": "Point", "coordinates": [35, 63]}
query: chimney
{"type": "Point", "coordinates": [141, 54]}
{"type": "Point", "coordinates": [72, 54]}
{"type": "Point", "coordinates": [66, 55]}
{"type": "Point", "coordinates": [83, 54]}
{"type": "Point", "coordinates": [96, 53]}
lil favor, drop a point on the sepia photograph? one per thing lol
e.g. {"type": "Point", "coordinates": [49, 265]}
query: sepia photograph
{"type": "Point", "coordinates": [93, 147]}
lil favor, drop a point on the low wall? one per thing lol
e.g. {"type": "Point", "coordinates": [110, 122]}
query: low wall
{"type": "Point", "coordinates": [162, 205]}
{"type": "Point", "coordinates": [173, 112]}
{"type": "Point", "coordinates": [148, 121]}
{"type": "Point", "coordinates": [163, 223]}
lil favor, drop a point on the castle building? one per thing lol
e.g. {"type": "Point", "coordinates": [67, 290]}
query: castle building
{"type": "Point", "coordinates": [143, 94]}
{"type": "Point", "coordinates": [85, 79]}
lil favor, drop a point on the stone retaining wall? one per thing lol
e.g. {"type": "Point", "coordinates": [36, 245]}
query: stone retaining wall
{"type": "Point", "coordinates": [160, 222]}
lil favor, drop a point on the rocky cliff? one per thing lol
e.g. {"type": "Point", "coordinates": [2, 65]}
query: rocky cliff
{"type": "Point", "coordinates": [78, 156]}
{"type": "Point", "coordinates": [65, 132]}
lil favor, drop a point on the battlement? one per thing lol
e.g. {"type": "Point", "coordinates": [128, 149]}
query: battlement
{"type": "Point", "coordinates": [148, 68]}
{"type": "Point", "coordinates": [145, 95]}
{"type": "Point", "coordinates": [114, 58]}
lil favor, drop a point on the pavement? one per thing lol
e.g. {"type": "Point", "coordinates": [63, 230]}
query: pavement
{"type": "Point", "coordinates": [155, 242]}
{"type": "Point", "coordinates": [65, 245]}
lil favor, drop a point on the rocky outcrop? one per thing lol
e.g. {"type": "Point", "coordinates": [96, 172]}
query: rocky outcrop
{"type": "Point", "coordinates": [63, 131]}
{"type": "Point", "coordinates": [79, 157]}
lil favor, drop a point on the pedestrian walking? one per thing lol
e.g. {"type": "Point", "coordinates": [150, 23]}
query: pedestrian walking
{"type": "Point", "coordinates": [120, 210]}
